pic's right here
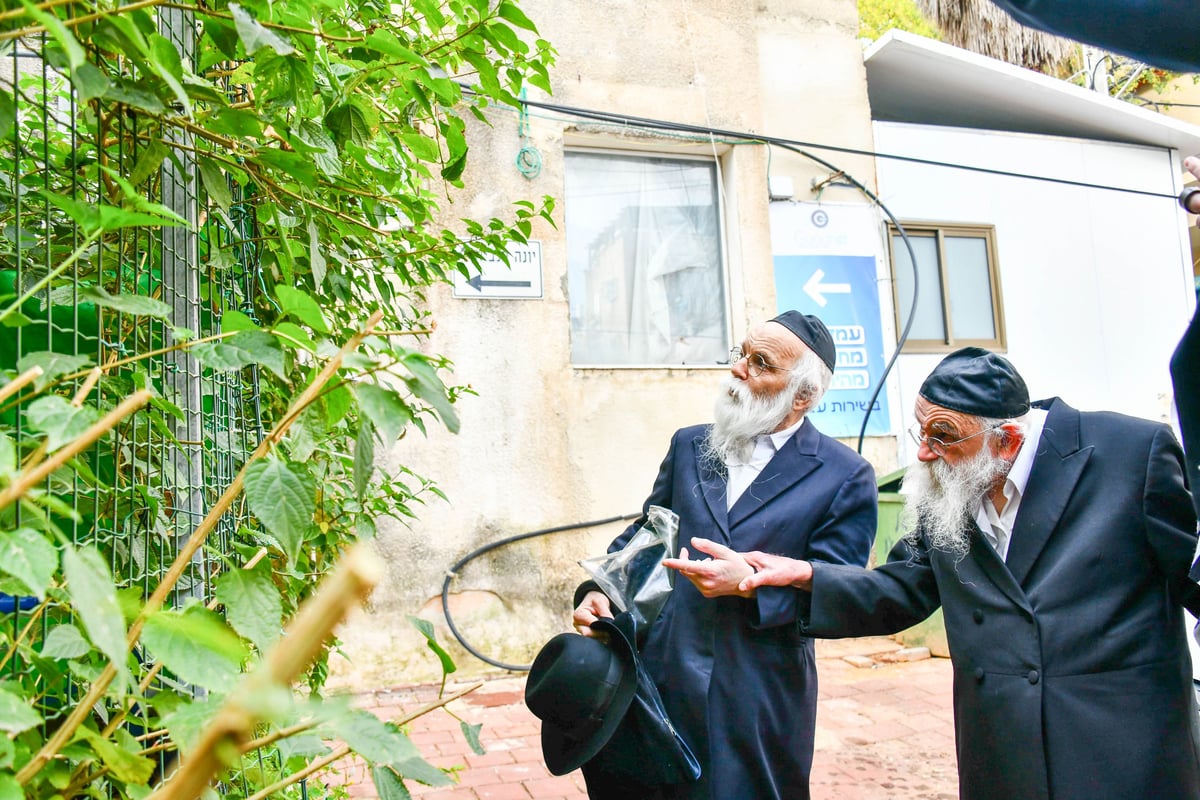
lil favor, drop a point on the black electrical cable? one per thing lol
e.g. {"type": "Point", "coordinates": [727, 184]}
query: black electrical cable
{"type": "Point", "coordinates": [487, 548]}
{"type": "Point", "coordinates": [912, 257]}
{"type": "Point", "coordinates": [752, 138]}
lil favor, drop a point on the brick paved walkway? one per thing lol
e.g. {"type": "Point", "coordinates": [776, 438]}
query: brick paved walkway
{"type": "Point", "coordinates": [884, 732]}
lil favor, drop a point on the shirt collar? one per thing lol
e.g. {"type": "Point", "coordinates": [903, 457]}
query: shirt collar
{"type": "Point", "coordinates": [780, 438]}
{"type": "Point", "coordinates": [1018, 474]}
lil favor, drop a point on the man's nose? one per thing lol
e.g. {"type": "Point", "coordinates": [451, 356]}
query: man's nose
{"type": "Point", "coordinates": [740, 368]}
{"type": "Point", "coordinates": [925, 453]}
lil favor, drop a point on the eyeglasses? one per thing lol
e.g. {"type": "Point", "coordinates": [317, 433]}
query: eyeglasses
{"type": "Point", "coordinates": [938, 446]}
{"type": "Point", "coordinates": [755, 363]}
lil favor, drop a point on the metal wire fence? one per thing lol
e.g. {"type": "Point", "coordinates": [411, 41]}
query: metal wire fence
{"type": "Point", "coordinates": [138, 493]}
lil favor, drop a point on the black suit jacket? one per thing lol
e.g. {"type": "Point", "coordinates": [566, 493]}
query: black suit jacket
{"type": "Point", "coordinates": [1072, 678]}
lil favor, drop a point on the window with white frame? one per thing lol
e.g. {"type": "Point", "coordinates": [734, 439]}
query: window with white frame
{"type": "Point", "coordinates": [644, 267]}
{"type": "Point", "coordinates": [959, 302]}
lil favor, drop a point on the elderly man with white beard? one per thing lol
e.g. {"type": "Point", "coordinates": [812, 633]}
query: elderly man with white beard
{"type": "Point", "coordinates": [1057, 543]}
{"type": "Point", "coordinates": [738, 679]}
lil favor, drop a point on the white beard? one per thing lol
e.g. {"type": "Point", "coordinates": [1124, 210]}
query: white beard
{"type": "Point", "coordinates": [941, 500]}
{"type": "Point", "coordinates": [740, 416]}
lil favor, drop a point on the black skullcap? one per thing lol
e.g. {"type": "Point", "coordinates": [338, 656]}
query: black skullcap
{"type": "Point", "coordinates": [812, 332]}
{"type": "Point", "coordinates": [977, 382]}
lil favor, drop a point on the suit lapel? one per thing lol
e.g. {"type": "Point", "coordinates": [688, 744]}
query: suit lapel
{"type": "Point", "coordinates": [989, 562]}
{"type": "Point", "coordinates": [712, 487]}
{"type": "Point", "coordinates": [1056, 469]}
{"type": "Point", "coordinates": [789, 466]}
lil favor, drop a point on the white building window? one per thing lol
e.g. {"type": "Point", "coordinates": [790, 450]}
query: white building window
{"type": "Point", "coordinates": [644, 273]}
{"type": "Point", "coordinates": [959, 301]}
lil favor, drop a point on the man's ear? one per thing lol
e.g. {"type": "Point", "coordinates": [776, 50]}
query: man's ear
{"type": "Point", "coordinates": [1008, 441]}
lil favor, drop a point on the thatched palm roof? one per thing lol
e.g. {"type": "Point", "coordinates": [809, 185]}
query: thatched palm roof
{"type": "Point", "coordinates": [981, 27]}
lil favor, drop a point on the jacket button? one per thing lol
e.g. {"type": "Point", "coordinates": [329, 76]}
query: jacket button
{"type": "Point", "coordinates": [1033, 676]}
{"type": "Point", "coordinates": [977, 615]}
{"type": "Point", "coordinates": [979, 674]}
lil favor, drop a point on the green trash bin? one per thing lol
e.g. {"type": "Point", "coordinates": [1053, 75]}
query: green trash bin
{"type": "Point", "coordinates": [932, 632]}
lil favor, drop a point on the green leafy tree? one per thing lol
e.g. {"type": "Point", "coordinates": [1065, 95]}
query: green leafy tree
{"type": "Point", "coordinates": [877, 17]}
{"type": "Point", "coordinates": [198, 200]}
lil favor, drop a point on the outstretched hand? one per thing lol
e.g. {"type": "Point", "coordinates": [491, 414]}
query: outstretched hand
{"type": "Point", "coordinates": [719, 575]}
{"type": "Point", "coordinates": [771, 570]}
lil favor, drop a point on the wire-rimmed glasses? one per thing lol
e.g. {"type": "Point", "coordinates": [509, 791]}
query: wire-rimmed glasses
{"type": "Point", "coordinates": [938, 446]}
{"type": "Point", "coordinates": [755, 363]}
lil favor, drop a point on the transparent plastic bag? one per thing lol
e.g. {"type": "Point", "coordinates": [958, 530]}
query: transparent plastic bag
{"type": "Point", "coordinates": [633, 577]}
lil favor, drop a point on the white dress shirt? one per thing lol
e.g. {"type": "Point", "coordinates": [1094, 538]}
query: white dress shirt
{"type": "Point", "coordinates": [997, 527]}
{"type": "Point", "coordinates": [742, 474]}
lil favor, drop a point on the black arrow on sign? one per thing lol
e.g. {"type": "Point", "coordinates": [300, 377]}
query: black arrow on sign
{"type": "Point", "coordinates": [477, 283]}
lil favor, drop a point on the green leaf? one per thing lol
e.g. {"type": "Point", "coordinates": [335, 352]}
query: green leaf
{"type": "Point", "coordinates": [351, 123]}
{"type": "Point", "coordinates": [317, 145]}
{"type": "Point", "coordinates": [337, 402]}
{"type": "Point", "coordinates": [471, 734]}
{"type": "Point", "coordinates": [149, 160]}
{"type": "Point", "coordinates": [66, 40]}
{"type": "Point", "coordinates": [65, 641]}
{"type": "Point", "coordinates": [52, 364]}
{"type": "Point", "coordinates": [301, 306]}
{"type": "Point", "coordinates": [254, 36]}
{"type": "Point", "coordinates": [188, 721]}
{"type": "Point", "coordinates": [30, 558]}
{"type": "Point", "coordinates": [385, 408]}
{"type": "Point", "coordinates": [15, 714]}
{"type": "Point", "coordinates": [429, 387]}
{"type": "Point", "coordinates": [283, 497]}
{"type": "Point", "coordinates": [364, 458]}
{"type": "Point", "coordinates": [93, 595]}
{"type": "Point", "coordinates": [89, 82]}
{"type": "Point", "coordinates": [58, 420]}
{"type": "Point", "coordinates": [387, 43]}
{"type": "Point", "coordinates": [122, 90]}
{"type": "Point", "coordinates": [292, 335]}
{"type": "Point", "coordinates": [316, 258]}
{"type": "Point", "coordinates": [125, 766]}
{"type": "Point", "coordinates": [388, 784]}
{"type": "Point", "coordinates": [8, 114]}
{"type": "Point", "coordinates": [241, 350]}
{"type": "Point", "coordinates": [8, 456]}
{"type": "Point", "coordinates": [426, 629]}
{"type": "Point", "coordinates": [422, 147]}
{"type": "Point", "coordinates": [233, 321]}
{"type": "Point", "coordinates": [135, 304]}
{"type": "Point", "coordinates": [195, 645]}
{"type": "Point", "coordinates": [164, 61]}
{"type": "Point", "coordinates": [509, 11]}
{"type": "Point", "coordinates": [252, 603]}
{"type": "Point", "coordinates": [381, 743]}
{"type": "Point", "coordinates": [215, 183]}
{"type": "Point", "coordinates": [9, 788]}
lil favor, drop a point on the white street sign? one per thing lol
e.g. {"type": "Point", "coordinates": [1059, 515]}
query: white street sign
{"type": "Point", "coordinates": [521, 279]}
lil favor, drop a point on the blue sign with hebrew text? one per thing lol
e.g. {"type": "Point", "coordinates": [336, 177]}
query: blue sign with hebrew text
{"type": "Point", "coordinates": [842, 291]}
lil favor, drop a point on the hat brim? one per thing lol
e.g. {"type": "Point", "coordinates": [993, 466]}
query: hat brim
{"type": "Point", "coordinates": [563, 754]}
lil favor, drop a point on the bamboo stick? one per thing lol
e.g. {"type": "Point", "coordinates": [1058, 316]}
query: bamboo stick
{"type": "Point", "coordinates": [349, 585]}
{"type": "Point", "coordinates": [39, 473]}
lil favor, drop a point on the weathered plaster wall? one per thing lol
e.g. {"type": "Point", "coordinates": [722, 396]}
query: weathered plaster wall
{"type": "Point", "coordinates": [544, 444]}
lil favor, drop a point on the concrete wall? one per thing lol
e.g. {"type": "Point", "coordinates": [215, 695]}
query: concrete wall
{"type": "Point", "coordinates": [1096, 283]}
{"type": "Point", "coordinates": [544, 444]}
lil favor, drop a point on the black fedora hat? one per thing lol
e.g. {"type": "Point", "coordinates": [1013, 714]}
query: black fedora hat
{"type": "Point", "coordinates": [580, 688]}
